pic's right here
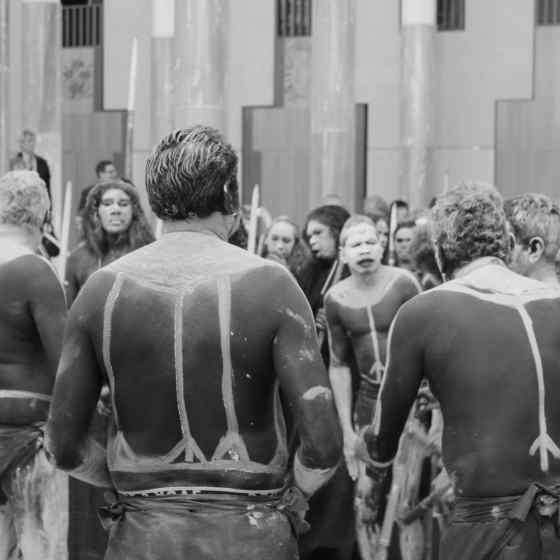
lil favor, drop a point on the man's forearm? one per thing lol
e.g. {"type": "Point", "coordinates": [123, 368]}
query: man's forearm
{"type": "Point", "coordinates": [341, 383]}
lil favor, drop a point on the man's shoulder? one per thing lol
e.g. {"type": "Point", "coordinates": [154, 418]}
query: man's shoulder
{"type": "Point", "coordinates": [339, 291]}
{"type": "Point", "coordinates": [404, 278]}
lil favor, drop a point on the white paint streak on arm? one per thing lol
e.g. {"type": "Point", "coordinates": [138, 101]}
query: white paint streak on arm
{"type": "Point", "coordinates": [316, 392]}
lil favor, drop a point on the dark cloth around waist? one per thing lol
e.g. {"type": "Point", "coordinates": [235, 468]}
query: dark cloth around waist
{"type": "Point", "coordinates": [520, 527]}
{"type": "Point", "coordinates": [203, 526]}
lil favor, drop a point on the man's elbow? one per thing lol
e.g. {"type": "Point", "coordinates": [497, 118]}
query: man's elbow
{"type": "Point", "coordinates": [320, 430]}
{"type": "Point", "coordinates": [63, 452]}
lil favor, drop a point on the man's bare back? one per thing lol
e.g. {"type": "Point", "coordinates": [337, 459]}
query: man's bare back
{"type": "Point", "coordinates": [489, 343]}
{"type": "Point", "coordinates": [196, 386]}
{"type": "Point", "coordinates": [32, 315]}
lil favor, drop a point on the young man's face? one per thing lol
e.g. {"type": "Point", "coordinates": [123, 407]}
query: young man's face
{"type": "Point", "coordinates": [403, 239]}
{"type": "Point", "coordinates": [362, 251]}
{"type": "Point", "coordinates": [321, 240]}
{"type": "Point", "coordinates": [382, 229]}
{"type": "Point", "coordinates": [281, 239]}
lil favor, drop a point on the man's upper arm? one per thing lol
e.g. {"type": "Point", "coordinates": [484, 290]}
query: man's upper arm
{"type": "Point", "coordinates": [339, 344]}
{"type": "Point", "coordinates": [401, 381]}
{"type": "Point", "coordinates": [78, 380]}
{"type": "Point", "coordinates": [48, 309]}
{"type": "Point", "coordinates": [304, 379]}
{"type": "Point", "coordinates": [410, 286]}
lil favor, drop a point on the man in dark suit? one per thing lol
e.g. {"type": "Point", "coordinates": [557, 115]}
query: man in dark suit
{"type": "Point", "coordinates": [31, 160]}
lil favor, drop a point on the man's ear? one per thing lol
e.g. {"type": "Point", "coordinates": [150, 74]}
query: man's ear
{"type": "Point", "coordinates": [536, 248]}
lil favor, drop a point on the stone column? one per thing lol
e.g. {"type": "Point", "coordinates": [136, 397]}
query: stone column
{"type": "Point", "coordinates": [161, 106]}
{"type": "Point", "coordinates": [417, 98]}
{"type": "Point", "coordinates": [332, 102]}
{"type": "Point", "coordinates": [200, 63]}
{"type": "Point", "coordinates": [41, 86]}
{"type": "Point", "coordinates": [4, 87]}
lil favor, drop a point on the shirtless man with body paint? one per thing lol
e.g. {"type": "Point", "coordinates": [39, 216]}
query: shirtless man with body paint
{"type": "Point", "coordinates": [197, 339]}
{"type": "Point", "coordinates": [359, 311]}
{"type": "Point", "coordinates": [488, 341]}
{"type": "Point", "coordinates": [33, 509]}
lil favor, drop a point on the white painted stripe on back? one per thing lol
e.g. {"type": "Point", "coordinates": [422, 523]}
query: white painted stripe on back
{"type": "Point", "coordinates": [106, 338]}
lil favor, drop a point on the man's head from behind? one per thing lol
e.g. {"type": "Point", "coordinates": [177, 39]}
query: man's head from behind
{"type": "Point", "coordinates": [535, 224]}
{"type": "Point", "coordinates": [24, 201]}
{"type": "Point", "coordinates": [192, 173]}
{"type": "Point", "coordinates": [469, 223]}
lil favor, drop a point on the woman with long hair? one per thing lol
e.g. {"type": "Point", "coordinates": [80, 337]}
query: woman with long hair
{"type": "Point", "coordinates": [113, 224]}
{"type": "Point", "coordinates": [283, 244]}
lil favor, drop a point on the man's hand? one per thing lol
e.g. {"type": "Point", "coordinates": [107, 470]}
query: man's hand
{"type": "Point", "coordinates": [321, 320]}
{"type": "Point", "coordinates": [351, 439]}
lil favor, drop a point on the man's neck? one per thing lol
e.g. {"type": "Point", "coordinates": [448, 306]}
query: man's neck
{"type": "Point", "coordinates": [15, 240]}
{"type": "Point", "coordinates": [546, 273]}
{"type": "Point", "coordinates": [216, 224]}
{"type": "Point", "coordinates": [367, 279]}
{"type": "Point", "coordinates": [477, 263]}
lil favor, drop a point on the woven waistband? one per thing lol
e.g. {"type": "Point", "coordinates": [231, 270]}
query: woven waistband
{"type": "Point", "coordinates": [200, 490]}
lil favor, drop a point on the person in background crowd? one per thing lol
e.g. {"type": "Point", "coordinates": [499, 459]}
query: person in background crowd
{"type": "Point", "coordinates": [403, 238]}
{"type": "Point", "coordinates": [535, 224]}
{"type": "Point", "coordinates": [27, 158]}
{"type": "Point", "coordinates": [403, 210]}
{"type": "Point", "coordinates": [33, 495]}
{"type": "Point", "coordinates": [331, 537]}
{"type": "Point", "coordinates": [381, 222]}
{"type": "Point", "coordinates": [376, 205]}
{"type": "Point", "coordinates": [114, 224]}
{"type": "Point", "coordinates": [488, 342]}
{"type": "Point", "coordinates": [200, 339]}
{"type": "Point", "coordinates": [105, 170]}
{"type": "Point", "coordinates": [360, 310]}
{"type": "Point", "coordinates": [423, 255]}
{"type": "Point", "coordinates": [283, 244]}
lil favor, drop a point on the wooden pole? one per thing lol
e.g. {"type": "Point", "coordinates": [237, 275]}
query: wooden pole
{"type": "Point", "coordinates": [129, 148]}
{"type": "Point", "coordinates": [253, 220]}
{"type": "Point", "coordinates": [65, 235]}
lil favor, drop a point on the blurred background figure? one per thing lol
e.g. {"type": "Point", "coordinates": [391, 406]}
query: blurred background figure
{"type": "Point", "coordinates": [403, 211]}
{"type": "Point", "coordinates": [27, 158]}
{"type": "Point", "coordinates": [283, 244]}
{"type": "Point", "coordinates": [403, 238]}
{"type": "Point", "coordinates": [423, 255]}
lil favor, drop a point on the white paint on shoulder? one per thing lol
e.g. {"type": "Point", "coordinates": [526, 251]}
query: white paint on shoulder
{"type": "Point", "coordinates": [316, 392]}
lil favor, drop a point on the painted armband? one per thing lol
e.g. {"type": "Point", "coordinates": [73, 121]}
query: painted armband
{"type": "Point", "coordinates": [309, 480]}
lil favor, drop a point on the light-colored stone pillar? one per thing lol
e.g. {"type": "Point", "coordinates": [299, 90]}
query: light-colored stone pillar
{"type": "Point", "coordinates": [333, 132]}
{"type": "Point", "coordinates": [41, 76]}
{"type": "Point", "coordinates": [161, 107]}
{"type": "Point", "coordinates": [4, 87]}
{"type": "Point", "coordinates": [417, 98]}
{"type": "Point", "coordinates": [200, 63]}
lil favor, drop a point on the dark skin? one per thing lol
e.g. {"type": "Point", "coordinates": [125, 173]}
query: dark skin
{"type": "Point", "coordinates": [32, 317]}
{"type": "Point", "coordinates": [271, 337]}
{"type": "Point", "coordinates": [477, 358]}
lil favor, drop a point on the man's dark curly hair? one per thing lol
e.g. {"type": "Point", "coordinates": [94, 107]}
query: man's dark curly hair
{"type": "Point", "coordinates": [330, 215]}
{"type": "Point", "coordinates": [192, 172]}
{"type": "Point", "coordinates": [468, 223]}
{"type": "Point", "coordinates": [97, 240]}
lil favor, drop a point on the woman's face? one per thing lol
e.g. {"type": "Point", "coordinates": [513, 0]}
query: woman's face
{"type": "Point", "coordinates": [281, 239]}
{"type": "Point", "coordinates": [115, 211]}
{"type": "Point", "coordinates": [382, 229]}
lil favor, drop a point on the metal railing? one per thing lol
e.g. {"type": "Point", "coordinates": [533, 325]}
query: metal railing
{"type": "Point", "coordinates": [82, 25]}
{"type": "Point", "coordinates": [451, 15]}
{"type": "Point", "coordinates": [548, 12]}
{"type": "Point", "coordinates": [294, 18]}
